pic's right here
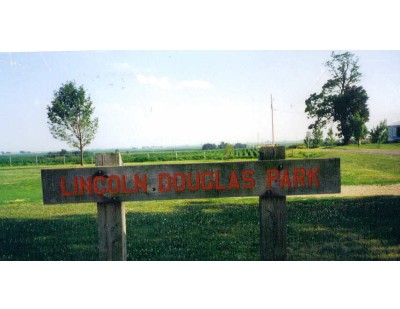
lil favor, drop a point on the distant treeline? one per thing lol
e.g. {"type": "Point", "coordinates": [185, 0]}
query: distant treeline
{"type": "Point", "coordinates": [66, 153]}
{"type": "Point", "coordinates": [223, 145]}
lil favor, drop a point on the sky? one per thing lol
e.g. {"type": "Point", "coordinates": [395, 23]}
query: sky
{"type": "Point", "coordinates": [176, 98]}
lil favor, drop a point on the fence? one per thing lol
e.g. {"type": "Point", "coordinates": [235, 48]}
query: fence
{"type": "Point", "coordinates": [129, 157]}
{"type": "Point", "coordinates": [23, 160]}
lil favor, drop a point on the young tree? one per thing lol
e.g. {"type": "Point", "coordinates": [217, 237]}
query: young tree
{"type": "Point", "coordinates": [70, 117]}
{"type": "Point", "coordinates": [360, 130]}
{"type": "Point", "coordinates": [307, 140]}
{"type": "Point", "coordinates": [331, 137]}
{"type": "Point", "coordinates": [316, 139]}
{"type": "Point", "coordinates": [380, 133]}
{"type": "Point", "coordinates": [340, 98]}
{"type": "Point", "coordinates": [229, 151]}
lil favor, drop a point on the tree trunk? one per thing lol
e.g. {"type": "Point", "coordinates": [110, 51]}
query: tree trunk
{"type": "Point", "coordinates": [346, 139]}
{"type": "Point", "coordinates": [81, 149]}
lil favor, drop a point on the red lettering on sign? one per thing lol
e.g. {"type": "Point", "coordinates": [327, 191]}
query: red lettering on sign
{"type": "Point", "coordinates": [76, 186]}
{"type": "Point", "coordinates": [140, 183]}
{"type": "Point", "coordinates": [234, 181]}
{"type": "Point", "coordinates": [96, 188]}
{"type": "Point", "coordinates": [217, 180]}
{"type": "Point", "coordinates": [298, 177]}
{"type": "Point", "coordinates": [179, 186]}
{"type": "Point", "coordinates": [249, 181]}
{"type": "Point", "coordinates": [206, 184]}
{"type": "Point", "coordinates": [117, 188]}
{"type": "Point", "coordinates": [189, 181]}
{"type": "Point", "coordinates": [64, 191]}
{"type": "Point", "coordinates": [85, 185]}
{"type": "Point", "coordinates": [312, 176]}
{"type": "Point", "coordinates": [272, 175]}
{"type": "Point", "coordinates": [125, 189]}
{"type": "Point", "coordinates": [161, 187]}
{"type": "Point", "coordinates": [285, 179]}
{"type": "Point", "coordinates": [182, 181]}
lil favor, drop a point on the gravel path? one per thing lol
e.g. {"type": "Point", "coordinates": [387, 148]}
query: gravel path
{"type": "Point", "coordinates": [369, 190]}
{"type": "Point", "coordinates": [366, 190]}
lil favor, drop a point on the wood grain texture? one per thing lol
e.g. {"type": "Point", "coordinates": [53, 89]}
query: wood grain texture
{"type": "Point", "coordinates": [273, 228]}
{"type": "Point", "coordinates": [111, 227]}
{"type": "Point", "coordinates": [108, 159]}
{"type": "Point", "coordinates": [226, 179]}
{"type": "Point", "coordinates": [272, 153]}
{"type": "Point", "coordinates": [273, 218]}
{"type": "Point", "coordinates": [111, 221]}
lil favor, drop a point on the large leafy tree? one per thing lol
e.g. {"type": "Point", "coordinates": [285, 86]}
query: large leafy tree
{"type": "Point", "coordinates": [70, 117]}
{"type": "Point", "coordinates": [341, 98]}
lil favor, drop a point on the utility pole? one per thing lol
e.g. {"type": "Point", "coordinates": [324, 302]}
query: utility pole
{"type": "Point", "coordinates": [272, 114]}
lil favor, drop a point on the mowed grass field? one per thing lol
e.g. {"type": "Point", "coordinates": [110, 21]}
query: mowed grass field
{"type": "Point", "coordinates": [212, 229]}
{"type": "Point", "coordinates": [357, 167]}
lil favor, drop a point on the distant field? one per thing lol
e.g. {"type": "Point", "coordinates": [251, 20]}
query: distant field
{"type": "Point", "coordinates": [139, 156]}
{"type": "Point", "coordinates": [182, 154]}
{"type": "Point", "coordinates": [214, 229]}
{"type": "Point", "coordinates": [357, 168]}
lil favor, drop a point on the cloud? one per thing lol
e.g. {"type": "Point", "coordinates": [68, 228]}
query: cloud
{"type": "Point", "coordinates": [196, 84]}
{"type": "Point", "coordinates": [123, 67]}
{"type": "Point", "coordinates": [165, 84]}
{"type": "Point", "coordinates": [160, 82]}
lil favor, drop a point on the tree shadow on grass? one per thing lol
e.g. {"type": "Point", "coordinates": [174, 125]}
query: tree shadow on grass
{"type": "Point", "coordinates": [352, 229]}
{"type": "Point", "coordinates": [198, 230]}
{"type": "Point", "coordinates": [318, 229]}
{"type": "Point", "coordinates": [66, 238]}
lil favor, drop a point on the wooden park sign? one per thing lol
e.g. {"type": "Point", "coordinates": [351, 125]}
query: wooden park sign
{"type": "Point", "coordinates": [271, 180]}
{"type": "Point", "coordinates": [186, 181]}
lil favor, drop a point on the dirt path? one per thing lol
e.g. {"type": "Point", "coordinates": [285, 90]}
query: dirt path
{"type": "Point", "coordinates": [387, 152]}
{"type": "Point", "coordinates": [369, 190]}
{"type": "Point", "coordinates": [366, 190]}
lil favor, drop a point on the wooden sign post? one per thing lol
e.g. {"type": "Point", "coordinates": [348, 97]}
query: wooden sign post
{"type": "Point", "coordinates": [111, 222]}
{"type": "Point", "coordinates": [273, 227]}
{"type": "Point", "coordinates": [271, 178]}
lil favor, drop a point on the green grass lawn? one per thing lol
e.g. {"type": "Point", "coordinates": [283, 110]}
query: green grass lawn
{"type": "Point", "coordinates": [356, 168]}
{"type": "Point", "coordinates": [214, 229]}
{"type": "Point", "coordinates": [223, 229]}
{"type": "Point", "coordinates": [392, 146]}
